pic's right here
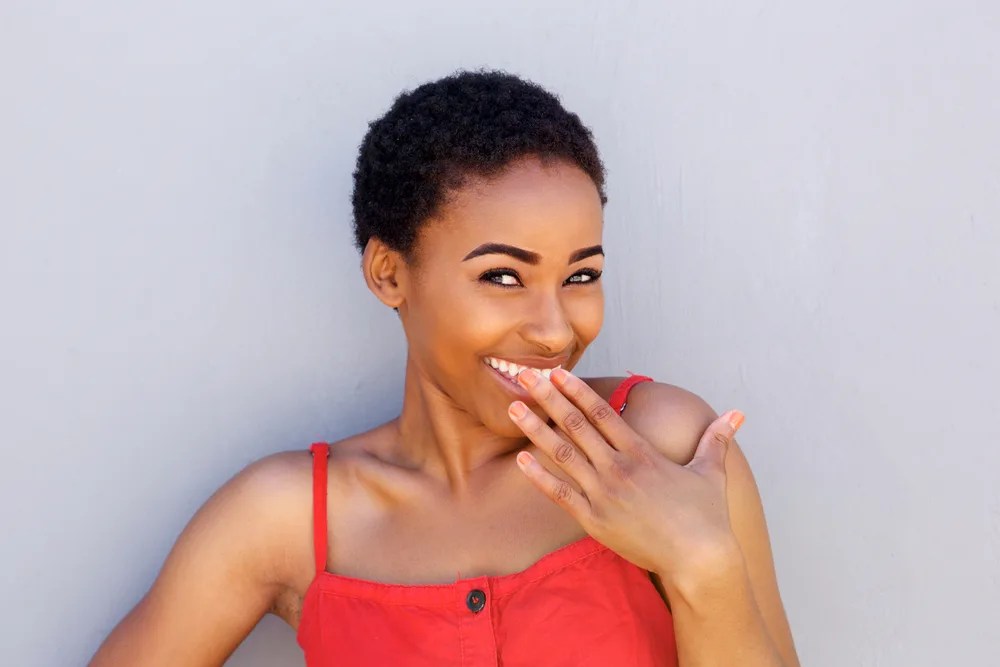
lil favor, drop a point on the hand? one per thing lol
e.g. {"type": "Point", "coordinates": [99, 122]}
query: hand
{"type": "Point", "coordinates": [659, 515]}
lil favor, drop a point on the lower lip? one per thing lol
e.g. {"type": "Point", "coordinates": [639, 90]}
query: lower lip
{"type": "Point", "coordinates": [509, 383]}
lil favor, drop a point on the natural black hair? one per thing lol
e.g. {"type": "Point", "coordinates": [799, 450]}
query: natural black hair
{"type": "Point", "coordinates": [466, 124]}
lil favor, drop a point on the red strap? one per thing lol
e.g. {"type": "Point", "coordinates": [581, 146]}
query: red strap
{"type": "Point", "coordinates": [321, 452]}
{"type": "Point", "coordinates": [620, 394]}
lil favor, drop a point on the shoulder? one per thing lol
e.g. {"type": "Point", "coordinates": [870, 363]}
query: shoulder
{"type": "Point", "coordinates": [671, 418]}
{"type": "Point", "coordinates": [271, 486]}
{"type": "Point", "coordinates": [229, 566]}
{"type": "Point", "coordinates": [261, 519]}
{"type": "Point", "coordinates": [278, 489]}
{"type": "Point", "coordinates": [278, 473]}
{"type": "Point", "coordinates": [263, 506]}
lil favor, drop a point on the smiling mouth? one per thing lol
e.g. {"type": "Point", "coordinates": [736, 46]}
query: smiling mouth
{"type": "Point", "coordinates": [510, 370]}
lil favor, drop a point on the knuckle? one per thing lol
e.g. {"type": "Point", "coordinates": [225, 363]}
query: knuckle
{"type": "Point", "coordinates": [564, 453]}
{"type": "Point", "coordinates": [620, 470]}
{"type": "Point", "coordinates": [574, 421]}
{"type": "Point", "coordinates": [611, 492]}
{"type": "Point", "coordinates": [601, 412]}
{"type": "Point", "coordinates": [534, 426]}
{"type": "Point", "coordinates": [562, 492]}
{"type": "Point", "coordinates": [642, 454]}
{"type": "Point", "coordinates": [720, 438]}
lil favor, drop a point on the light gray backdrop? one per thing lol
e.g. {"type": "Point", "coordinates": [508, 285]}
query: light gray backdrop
{"type": "Point", "coordinates": [804, 224]}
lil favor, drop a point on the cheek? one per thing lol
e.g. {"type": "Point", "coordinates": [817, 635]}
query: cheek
{"type": "Point", "coordinates": [457, 325]}
{"type": "Point", "coordinates": [587, 316]}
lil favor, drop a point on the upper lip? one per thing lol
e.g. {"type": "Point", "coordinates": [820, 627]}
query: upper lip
{"type": "Point", "coordinates": [534, 362]}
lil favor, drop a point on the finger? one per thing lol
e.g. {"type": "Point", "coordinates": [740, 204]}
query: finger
{"type": "Point", "coordinates": [557, 448]}
{"type": "Point", "coordinates": [558, 490]}
{"type": "Point", "coordinates": [567, 416]}
{"type": "Point", "coordinates": [599, 412]}
{"type": "Point", "coordinates": [710, 456]}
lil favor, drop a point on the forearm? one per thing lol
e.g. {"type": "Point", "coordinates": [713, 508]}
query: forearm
{"type": "Point", "coordinates": [716, 619]}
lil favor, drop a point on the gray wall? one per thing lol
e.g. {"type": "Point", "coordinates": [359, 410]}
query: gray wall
{"type": "Point", "coordinates": [804, 224]}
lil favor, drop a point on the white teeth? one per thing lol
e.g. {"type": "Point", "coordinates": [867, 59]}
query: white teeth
{"type": "Point", "coordinates": [512, 370]}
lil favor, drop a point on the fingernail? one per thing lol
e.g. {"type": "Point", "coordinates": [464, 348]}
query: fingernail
{"type": "Point", "coordinates": [527, 377]}
{"type": "Point", "coordinates": [523, 459]}
{"type": "Point", "coordinates": [518, 409]}
{"type": "Point", "coordinates": [736, 419]}
{"type": "Point", "coordinates": [558, 376]}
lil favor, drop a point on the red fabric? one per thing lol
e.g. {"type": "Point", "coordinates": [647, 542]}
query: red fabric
{"type": "Point", "coordinates": [579, 606]}
{"type": "Point", "coordinates": [618, 396]}
{"type": "Point", "coordinates": [320, 452]}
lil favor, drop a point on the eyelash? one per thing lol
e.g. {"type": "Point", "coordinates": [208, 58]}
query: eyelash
{"type": "Point", "coordinates": [489, 276]}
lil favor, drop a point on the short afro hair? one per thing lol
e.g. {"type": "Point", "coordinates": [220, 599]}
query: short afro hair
{"type": "Point", "coordinates": [466, 124]}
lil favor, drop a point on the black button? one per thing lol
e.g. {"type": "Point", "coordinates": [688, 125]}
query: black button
{"type": "Point", "coordinates": [475, 600]}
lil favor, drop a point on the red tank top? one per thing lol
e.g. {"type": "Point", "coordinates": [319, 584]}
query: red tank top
{"type": "Point", "coordinates": [580, 606]}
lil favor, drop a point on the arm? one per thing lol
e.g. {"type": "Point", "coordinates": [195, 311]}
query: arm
{"type": "Point", "coordinates": [222, 575]}
{"type": "Point", "coordinates": [729, 611]}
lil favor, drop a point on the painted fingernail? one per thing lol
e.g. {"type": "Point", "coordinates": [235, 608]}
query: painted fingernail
{"type": "Point", "coordinates": [527, 377]}
{"type": "Point", "coordinates": [558, 376]}
{"type": "Point", "coordinates": [518, 409]}
{"type": "Point", "coordinates": [523, 459]}
{"type": "Point", "coordinates": [736, 419]}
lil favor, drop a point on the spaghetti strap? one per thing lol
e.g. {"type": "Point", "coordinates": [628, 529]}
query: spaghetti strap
{"type": "Point", "coordinates": [321, 453]}
{"type": "Point", "coordinates": [619, 397]}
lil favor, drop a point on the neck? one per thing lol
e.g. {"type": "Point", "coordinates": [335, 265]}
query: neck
{"type": "Point", "coordinates": [440, 438]}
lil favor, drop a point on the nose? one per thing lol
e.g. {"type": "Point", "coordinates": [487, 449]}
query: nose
{"type": "Point", "coordinates": [547, 326]}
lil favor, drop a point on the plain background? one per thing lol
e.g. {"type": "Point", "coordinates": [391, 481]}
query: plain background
{"type": "Point", "coordinates": [804, 223]}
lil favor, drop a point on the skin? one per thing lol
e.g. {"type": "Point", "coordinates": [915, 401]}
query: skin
{"type": "Point", "coordinates": [440, 490]}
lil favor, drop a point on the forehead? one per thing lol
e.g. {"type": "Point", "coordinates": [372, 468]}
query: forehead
{"type": "Point", "coordinates": [550, 208]}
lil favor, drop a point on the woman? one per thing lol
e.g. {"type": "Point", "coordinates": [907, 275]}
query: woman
{"type": "Point", "coordinates": [513, 513]}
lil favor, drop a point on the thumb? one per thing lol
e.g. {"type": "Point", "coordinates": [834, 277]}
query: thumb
{"type": "Point", "coordinates": [714, 444]}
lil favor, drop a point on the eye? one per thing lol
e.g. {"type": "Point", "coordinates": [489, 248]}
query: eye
{"type": "Point", "coordinates": [501, 277]}
{"type": "Point", "coordinates": [508, 278]}
{"type": "Point", "coordinates": [585, 276]}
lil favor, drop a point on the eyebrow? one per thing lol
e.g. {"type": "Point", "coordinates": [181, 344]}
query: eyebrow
{"type": "Point", "coordinates": [527, 256]}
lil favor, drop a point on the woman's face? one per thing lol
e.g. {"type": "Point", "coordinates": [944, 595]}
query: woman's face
{"type": "Point", "coordinates": [507, 272]}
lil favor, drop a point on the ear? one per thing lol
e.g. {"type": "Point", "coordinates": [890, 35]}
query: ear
{"type": "Point", "coordinates": [385, 272]}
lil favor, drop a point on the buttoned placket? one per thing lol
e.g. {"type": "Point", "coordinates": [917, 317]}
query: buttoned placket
{"type": "Point", "coordinates": [479, 646]}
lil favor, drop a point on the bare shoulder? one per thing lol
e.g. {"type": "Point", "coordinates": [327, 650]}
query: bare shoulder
{"type": "Point", "coordinates": [275, 476]}
{"type": "Point", "coordinates": [226, 570]}
{"type": "Point", "coordinates": [671, 418]}
{"type": "Point", "coordinates": [280, 485]}
{"type": "Point", "coordinates": [270, 489]}
{"type": "Point", "coordinates": [276, 492]}
{"type": "Point", "coordinates": [264, 508]}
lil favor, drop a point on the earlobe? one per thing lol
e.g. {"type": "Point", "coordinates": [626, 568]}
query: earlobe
{"type": "Point", "coordinates": [384, 271]}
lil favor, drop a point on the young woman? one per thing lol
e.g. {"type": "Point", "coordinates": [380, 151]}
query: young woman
{"type": "Point", "coordinates": [513, 514]}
